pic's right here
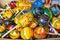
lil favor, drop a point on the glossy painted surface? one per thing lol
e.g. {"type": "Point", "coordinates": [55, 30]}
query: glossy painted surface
{"type": "Point", "coordinates": [10, 27]}
{"type": "Point", "coordinates": [2, 28]}
{"type": "Point", "coordinates": [12, 4]}
{"type": "Point", "coordinates": [14, 34]}
{"type": "Point", "coordinates": [39, 32]}
{"type": "Point", "coordinates": [26, 33]}
{"type": "Point", "coordinates": [37, 3]}
{"type": "Point", "coordinates": [24, 19]}
{"type": "Point", "coordinates": [7, 14]}
{"type": "Point", "coordinates": [21, 5]}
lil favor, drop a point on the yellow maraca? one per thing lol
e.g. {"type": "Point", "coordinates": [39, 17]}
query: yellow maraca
{"type": "Point", "coordinates": [24, 19]}
{"type": "Point", "coordinates": [7, 14]}
{"type": "Point", "coordinates": [14, 34]}
{"type": "Point", "coordinates": [26, 33]}
{"type": "Point", "coordinates": [56, 23]}
{"type": "Point", "coordinates": [2, 28]}
{"type": "Point", "coordinates": [23, 4]}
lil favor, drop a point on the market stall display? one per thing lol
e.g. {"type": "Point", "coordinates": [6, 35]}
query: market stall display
{"type": "Point", "coordinates": [26, 20]}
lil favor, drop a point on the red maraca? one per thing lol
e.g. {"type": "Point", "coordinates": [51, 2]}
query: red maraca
{"type": "Point", "coordinates": [12, 4]}
{"type": "Point", "coordinates": [10, 27]}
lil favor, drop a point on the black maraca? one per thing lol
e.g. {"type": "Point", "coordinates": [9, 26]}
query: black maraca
{"type": "Point", "coordinates": [38, 11]}
{"type": "Point", "coordinates": [43, 19]}
{"type": "Point", "coordinates": [55, 8]}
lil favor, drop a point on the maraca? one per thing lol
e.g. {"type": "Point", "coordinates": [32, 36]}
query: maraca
{"type": "Point", "coordinates": [24, 19]}
{"type": "Point", "coordinates": [55, 9]}
{"type": "Point", "coordinates": [7, 14]}
{"type": "Point", "coordinates": [47, 12]}
{"type": "Point", "coordinates": [37, 3]}
{"type": "Point", "coordinates": [14, 34]}
{"type": "Point", "coordinates": [43, 19]}
{"type": "Point", "coordinates": [12, 4]}
{"type": "Point", "coordinates": [38, 11]}
{"type": "Point", "coordinates": [40, 32]}
{"type": "Point", "coordinates": [2, 27]}
{"type": "Point", "coordinates": [56, 23]}
{"type": "Point", "coordinates": [10, 27]}
{"type": "Point", "coordinates": [22, 4]}
{"type": "Point", "coordinates": [26, 33]}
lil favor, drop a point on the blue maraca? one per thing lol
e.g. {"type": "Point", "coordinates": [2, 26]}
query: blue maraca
{"type": "Point", "coordinates": [38, 11]}
{"type": "Point", "coordinates": [37, 3]}
{"type": "Point", "coordinates": [55, 9]}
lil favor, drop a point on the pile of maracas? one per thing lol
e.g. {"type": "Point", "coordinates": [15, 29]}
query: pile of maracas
{"type": "Point", "coordinates": [32, 20]}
